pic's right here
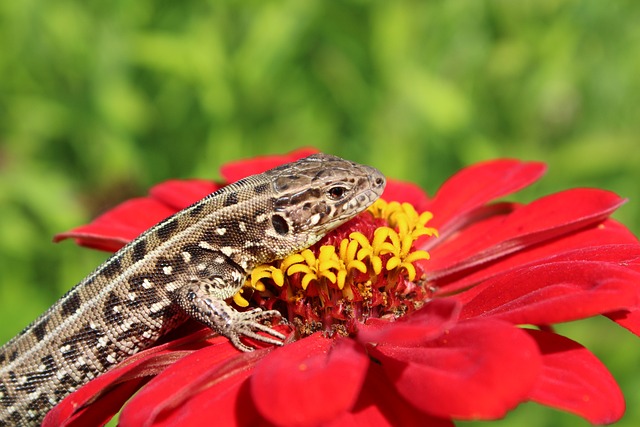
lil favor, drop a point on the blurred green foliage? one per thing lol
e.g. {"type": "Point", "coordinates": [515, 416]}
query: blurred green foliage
{"type": "Point", "coordinates": [100, 100]}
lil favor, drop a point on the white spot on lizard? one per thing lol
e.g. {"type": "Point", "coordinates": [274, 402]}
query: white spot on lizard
{"type": "Point", "coordinates": [314, 219]}
{"type": "Point", "coordinates": [156, 307]}
{"type": "Point", "coordinates": [126, 325]}
{"type": "Point", "coordinates": [205, 245]}
{"type": "Point", "coordinates": [228, 250]}
{"type": "Point", "coordinates": [172, 286]}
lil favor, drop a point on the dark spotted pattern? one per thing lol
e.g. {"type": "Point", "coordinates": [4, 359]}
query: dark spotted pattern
{"type": "Point", "coordinates": [140, 292]}
{"type": "Point", "coordinates": [89, 335]}
{"type": "Point", "coordinates": [112, 308]}
{"type": "Point", "coordinates": [33, 380]}
{"type": "Point", "coordinates": [262, 188]}
{"type": "Point", "coordinates": [66, 384]}
{"type": "Point", "coordinates": [7, 399]}
{"type": "Point", "coordinates": [167, 228]}
{"type": "Point", "coordinates": [135, 330]}
{"type": "Point", "coordinates": [39, 330]}
{"type": "Point", "coordinates": [113, 268]}
{"type": "Point", "coordinates": [41, 401]}
{"type": "Point", "coordinates": [138, 250]}
{"type": "Point", "coordinates": [102, 354]}
{"type": "Point", "coordinates": [196, 210]}
{"type": "Point", "coordinates": [71, 304]}
{"type": "Point", "coordinates": [70, 350]}
{"type": "Point", "coordinates": [231, 199]}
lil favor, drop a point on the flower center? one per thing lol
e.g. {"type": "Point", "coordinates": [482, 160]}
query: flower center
{"type": "Point", "coordinates": [365, 268]}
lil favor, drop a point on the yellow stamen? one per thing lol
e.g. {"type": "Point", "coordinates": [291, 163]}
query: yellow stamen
{"type": "Point", "coordinates": [403, 217]}
{"type": "Point", "coordinates": [265, 271]}
{"type": "Point", "coordinates": [336, 265]}
{"type": "Point", "coordinates": [348, 254]}
{"type": "Point", "coordinates": [239, 299]}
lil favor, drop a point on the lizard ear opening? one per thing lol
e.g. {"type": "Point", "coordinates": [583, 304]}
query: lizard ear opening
{"type": "Point", "coordinates": [280, 225]}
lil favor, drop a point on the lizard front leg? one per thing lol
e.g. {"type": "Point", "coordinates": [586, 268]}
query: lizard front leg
{"type": "Point", "coordinates": [203, 296]}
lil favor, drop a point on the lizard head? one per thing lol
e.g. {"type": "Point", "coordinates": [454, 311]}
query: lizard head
{"type": "Point", "coordinates": [318, 193]}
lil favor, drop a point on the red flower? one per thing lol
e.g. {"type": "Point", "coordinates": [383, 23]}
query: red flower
{"type": "Point", "coordinates": [405, 350]}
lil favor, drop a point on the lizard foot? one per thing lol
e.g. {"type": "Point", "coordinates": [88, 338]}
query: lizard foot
{"type": "Point", "coordinates": [198, 303]}
{"type": "Point", "coordinates": [247, 323]}
{"type": "Point", "coordinates": [235, 324]}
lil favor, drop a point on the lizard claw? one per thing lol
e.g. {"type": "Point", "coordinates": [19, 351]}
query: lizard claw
{"type": "Point", "coordinates": [247, 323]}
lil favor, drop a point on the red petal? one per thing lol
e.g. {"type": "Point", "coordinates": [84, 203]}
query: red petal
{"type": "Point", "coordinates": [191, 390]}
{"type": "Point", "coordinates": [179, 194]}
{"type": "Point", "coordinates": [409, 192]}
{"type": "Point", "coordinates": [478, 369]}
{"type": "Point", "coordinates": [476, 185]}
{"type": "Point", "coordinates": [102, 397]}
{"type": "Point", "coordinates": [71, 412]}
{"type": "Point", "coordinates": [225, 403]}
{"type": "Point", "coordinates": [118, 226]}
{"type": "Point", "coordinates": [574, 380]}
{"type": "Point", "coordinates": [310, 381]}
{"type": "Point", "coordinates": [608, 233]}
{"type": "Point", "coordinates": [542, 220]}
{"type": "Point", "coordinates": [477, 223]}
{"type": "Point", "coordinates": [553, 292]}
{"type": "Point", "coordinates": [379, 405]}
{"type": "Point", "coordinates": [430, 322]}
{"type": "Point", "coordinates": [234, 171]}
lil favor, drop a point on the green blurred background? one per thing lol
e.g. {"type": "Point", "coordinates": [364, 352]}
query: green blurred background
{"type": "Point", "coordinates": [99, 100]}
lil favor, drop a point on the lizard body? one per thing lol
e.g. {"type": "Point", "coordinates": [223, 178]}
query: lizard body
{"type": "Point", "coordinates": [186, 266]}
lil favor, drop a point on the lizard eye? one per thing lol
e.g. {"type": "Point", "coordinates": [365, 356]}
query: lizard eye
{"type": "Point", "coordinates": [337, 192]}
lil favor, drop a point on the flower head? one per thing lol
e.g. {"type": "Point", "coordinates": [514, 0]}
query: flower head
{"type": "Point", "coordinates": [367, 268]}
{"type": "Point", "coordinates": [410, 314]}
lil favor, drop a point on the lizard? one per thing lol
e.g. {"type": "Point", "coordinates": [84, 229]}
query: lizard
{"type": "Point", "coordinates": [186, 266]}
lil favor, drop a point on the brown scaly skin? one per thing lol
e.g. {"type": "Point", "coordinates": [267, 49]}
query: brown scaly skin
{"type": "Point", "coordinates": [186, 266]}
